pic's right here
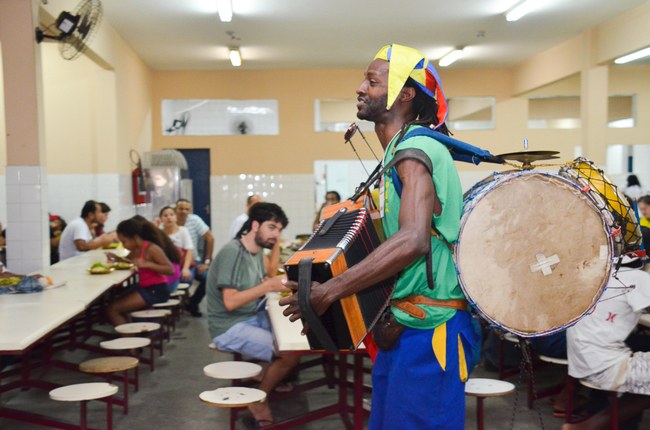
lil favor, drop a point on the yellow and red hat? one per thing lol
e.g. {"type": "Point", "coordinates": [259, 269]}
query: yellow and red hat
{"type": "Point", "coordinates": [404, 63]}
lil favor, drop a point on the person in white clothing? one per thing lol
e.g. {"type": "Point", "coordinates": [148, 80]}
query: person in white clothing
{"type": "Point", "coordinates": [77, 237]}
{"type": "Point", "coordinates": [181, 238]}
{"type": "Point", "coordinates": [238, 223]}
{"type": "Point", "coordinates": [596, 347]}
{"type": "Point", "coordinates": [634, 189]}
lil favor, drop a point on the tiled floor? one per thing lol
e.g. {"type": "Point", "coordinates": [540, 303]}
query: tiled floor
{"type": "Point", "coordinates": [168, 397]}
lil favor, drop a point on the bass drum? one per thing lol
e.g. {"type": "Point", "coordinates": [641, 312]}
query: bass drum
{"type": "Point", "coordinates": [534, 252]}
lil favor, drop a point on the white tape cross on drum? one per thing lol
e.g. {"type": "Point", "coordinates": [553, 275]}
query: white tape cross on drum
{"type": "Point", "coordinates": [544, 264]}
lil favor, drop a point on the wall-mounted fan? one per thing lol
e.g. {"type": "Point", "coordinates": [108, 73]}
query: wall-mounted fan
{"type": "Point", "coordinates": [75, 29]}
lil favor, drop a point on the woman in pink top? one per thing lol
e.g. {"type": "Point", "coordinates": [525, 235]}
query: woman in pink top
{"type": "Point", "coordinates": [142, 239]}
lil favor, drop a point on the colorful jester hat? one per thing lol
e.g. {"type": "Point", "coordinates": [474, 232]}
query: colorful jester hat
{"type": "Point", "coordinates": [404, 63]}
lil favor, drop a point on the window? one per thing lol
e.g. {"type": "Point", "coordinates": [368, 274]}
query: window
{"type": "Point", "coordinates": [337, 115]}
{"type": "Point", "coordinates": [214, 117]}
{"type": "Point", "coordinates": [561, 112]}
{"type": "Point", "coordinates": [621, 111]}
{"type": "Point", "coordinates": [471, 113]}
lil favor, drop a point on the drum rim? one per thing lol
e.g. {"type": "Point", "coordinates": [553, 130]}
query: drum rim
{"type": "Point", "coordinates": [500, 179]}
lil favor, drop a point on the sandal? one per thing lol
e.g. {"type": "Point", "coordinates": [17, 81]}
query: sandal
{"type": "Point", "coordinates": [253, 424]}
{"type": "Point", "coordinates": [284, 387]}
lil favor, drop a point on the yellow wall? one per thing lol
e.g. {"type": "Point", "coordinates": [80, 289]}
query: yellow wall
{"type": "Point", "coordinates": [96, 107]}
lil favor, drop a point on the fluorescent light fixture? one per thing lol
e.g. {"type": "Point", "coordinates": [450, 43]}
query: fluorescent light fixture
{"type": "Point", "coordinates": [521, 9]}
{"type": "Point", "coordinates": [451, 57]}
{"type": "Point", "coordinates": [235, 57]}
{"type": "Point", "coordinates": [224, 8]}
{"type": "Point", "coordinates": [633, 56]}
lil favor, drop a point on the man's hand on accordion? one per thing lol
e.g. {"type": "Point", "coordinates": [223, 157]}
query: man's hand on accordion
{"type": "Point", "coordinates": [319, 302]}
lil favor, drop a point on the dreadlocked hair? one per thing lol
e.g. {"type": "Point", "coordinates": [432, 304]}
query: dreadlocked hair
{"type": "Point", "coordinates": [425, 111]}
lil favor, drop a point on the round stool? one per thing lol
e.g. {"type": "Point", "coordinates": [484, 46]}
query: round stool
{"type": "Point", "coordinates": [168, 304]}
{"type": "Point", "coordinates": [232, 397]}
{"type": "Point", "coordinates": [144, 328]}
{"type": "Point", "coordinates": [232, 370]}
{"type": "Point", "coordinates": [174, 305]}
{"type": "Point", "coordinates": [137, 327]}
{"type": "Point", "coordinates": [164, 315]}
{"type": "Point", "coordinates": [108, 365]}
{"type": "Point", "coordinates": [482, 388]}
{"type": "Point", "coordinates": [131, 343]}
{"type": "Point", "coordinates": [178, 293]}
{"type": "Point", "coordinates": [85, 392]}
{"type": "Point", "coordinates": [151, 313]}
{"type": "Point", "coordinates": [183, 286]}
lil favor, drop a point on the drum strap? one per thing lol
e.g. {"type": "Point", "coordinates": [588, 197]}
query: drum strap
{"type": "Point", "coordinates": [408, 304]}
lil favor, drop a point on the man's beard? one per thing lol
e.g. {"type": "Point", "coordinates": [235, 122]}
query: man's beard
{"type": "Point", "coordinates": [372, 108]}
{"type": "Point", "coordinates": [259, 240]}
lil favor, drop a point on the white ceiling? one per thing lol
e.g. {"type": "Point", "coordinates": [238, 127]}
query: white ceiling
{"type": "Point", "coordinates": [187, 34]}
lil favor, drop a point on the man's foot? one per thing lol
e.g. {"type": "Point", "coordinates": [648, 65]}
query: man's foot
{"type": "Point", "coordinates": [194, 311]}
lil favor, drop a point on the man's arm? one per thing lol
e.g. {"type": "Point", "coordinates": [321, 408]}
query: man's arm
{"type": "Point", "coordinates": [97, 242]}
{"type": "Point", "coordinates": [209, 245]}
{"type": "Point", "coordinates": [233, 298]}
{"type": "Point", "coordinates": [272, 262]}
{"type": "Point", "coordinates": [404, 247]}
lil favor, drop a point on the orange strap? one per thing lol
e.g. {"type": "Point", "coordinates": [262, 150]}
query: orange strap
{"type": "Point", "coordinates": [409, 304]}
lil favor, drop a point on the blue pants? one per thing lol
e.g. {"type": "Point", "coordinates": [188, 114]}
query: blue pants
{"type": "Point", "coordinates": [251, 338]}
{"type": "Point", "coordinates": [410, 389]}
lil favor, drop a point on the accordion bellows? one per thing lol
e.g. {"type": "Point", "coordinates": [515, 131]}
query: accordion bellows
{"type": "Point", "coordinates": [346, 234]}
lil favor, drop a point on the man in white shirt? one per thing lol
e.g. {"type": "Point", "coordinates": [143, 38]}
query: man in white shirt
{"type": "Point", "coordinates": [238, 223]}
{"type": "Point", "coordinates": [203, 246]}
{"type": "Point", "coordinates": [77, 237]}
{"type": "Point", "coordinates": [596, 346]}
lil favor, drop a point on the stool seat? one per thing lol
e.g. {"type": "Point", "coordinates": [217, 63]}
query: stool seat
{"type": "Point", "coordinates": [232, 370]}
{"type": "Point", "coordinates": [594, 387]}
{"type": "Point", "coordinates": [81, 392]}
{"type": "Point", "coordinates": [151, 313]}
{"type": "Point", "coordinates": [232, 397]}
{"type": "Point", "coordinates": [177, 293]}
{"type": "Point", "coordinates": [109, 364]}
{"type": "Point", "coordinates": [484, 387]}
{"type": "Point", "coordinates": [137, 327]}
{"type": "Point", "coordinates": [168, 303]}
{"type": "Point", "coordinates": [554, 360]}
{"type": "Point", "coordinates": [125, 343]}
{"type": "Point", "coordinates": [183, 286]}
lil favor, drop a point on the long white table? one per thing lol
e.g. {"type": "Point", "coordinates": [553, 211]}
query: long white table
{"type": "Point", "coordinates": [27, 318]}
{"type": "Point", "coordinates": [287, 334]}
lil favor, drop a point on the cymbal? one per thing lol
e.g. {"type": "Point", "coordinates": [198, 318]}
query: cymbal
{"type": "Point", "coordinates": [528, 157]}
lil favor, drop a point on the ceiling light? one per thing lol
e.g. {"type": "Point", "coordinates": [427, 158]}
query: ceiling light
{"type": "Point", "coordinates": [521, 9]}
{"type": "Point", "coordinates": [633, 56]}
{"type": "Point", "coordinates": [451, 57]}
{"type": "Point", "coordinates": [235, 57]}
{"type": "Point", "coordinates": [224, 8]}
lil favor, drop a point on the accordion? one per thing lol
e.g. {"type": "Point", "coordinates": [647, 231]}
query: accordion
{"type": "Point", "coordinates": [347, 233]}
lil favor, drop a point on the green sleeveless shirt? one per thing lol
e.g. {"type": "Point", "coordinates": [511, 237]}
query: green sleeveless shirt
{"type": "Point", "coordinates": [413, 279]}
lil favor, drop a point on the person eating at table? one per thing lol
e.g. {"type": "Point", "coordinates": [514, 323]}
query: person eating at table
{"type": "Point", "coordinates": [77, 236]}
{"type": "Point", "coordinates": [236, 286]}
{"type": "Point", "coordinates": [143, 241]}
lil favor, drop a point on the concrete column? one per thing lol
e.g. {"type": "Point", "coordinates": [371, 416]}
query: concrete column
{"type": "Point", "coordinates": [28, 247]}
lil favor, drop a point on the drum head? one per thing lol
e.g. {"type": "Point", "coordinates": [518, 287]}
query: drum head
{"type": "Point", "coordinates": [534, 252]}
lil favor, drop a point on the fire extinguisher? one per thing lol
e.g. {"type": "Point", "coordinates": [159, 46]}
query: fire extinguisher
{"type": "Point", "coordinates": [141, 194]}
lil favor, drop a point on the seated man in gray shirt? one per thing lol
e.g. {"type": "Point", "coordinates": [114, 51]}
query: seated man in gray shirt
{"type": "Point", "coordinates": [236, 286]}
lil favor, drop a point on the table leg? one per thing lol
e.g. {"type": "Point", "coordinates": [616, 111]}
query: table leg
{"type": "Point", "coordinates": [357, 397]}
